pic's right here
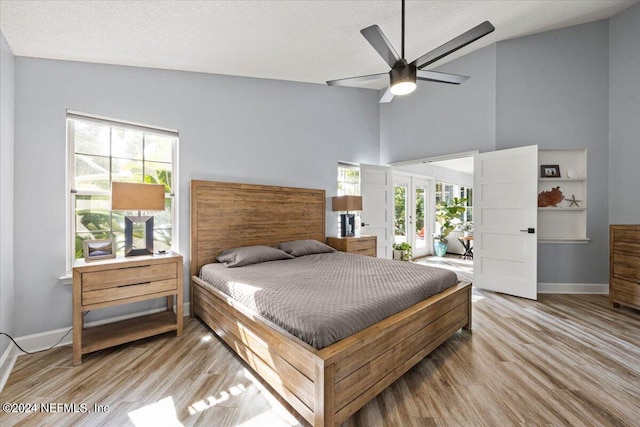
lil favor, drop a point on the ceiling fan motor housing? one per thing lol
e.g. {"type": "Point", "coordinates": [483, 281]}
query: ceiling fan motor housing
{"type": "Point", "coordinates": [403, 78]}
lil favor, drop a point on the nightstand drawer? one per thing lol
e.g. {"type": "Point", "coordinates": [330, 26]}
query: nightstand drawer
{"type": "Point", "coordinates": [365, 251]}
{"type": "Point", "coordinates": [127, 291]}
{"type": "Point", "coordinates": [114, 278]}
{"type": "Point", "coordinates": [361, 244]}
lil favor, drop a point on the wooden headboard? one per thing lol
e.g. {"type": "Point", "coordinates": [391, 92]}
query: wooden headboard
{"type": "Point", "coordinates": [227, 215]}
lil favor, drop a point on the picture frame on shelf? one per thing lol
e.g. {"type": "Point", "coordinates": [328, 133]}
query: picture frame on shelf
{"type": "Point", "coordinates": [99, 249]}
{"type": "Point", "coordinates": [550, 171]}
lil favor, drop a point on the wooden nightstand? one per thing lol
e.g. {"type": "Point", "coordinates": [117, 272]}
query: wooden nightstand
{"type": "Point", "coordinates": [105, 283]}
{"type": "Point", "coordinates": [363, 245]}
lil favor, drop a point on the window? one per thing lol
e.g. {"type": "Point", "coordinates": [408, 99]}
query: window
{"type": "Point", "coordinates": [348, 180]}
{"type": "Point", "coordinates": [104, 150]}
{"type": "Point", "coordinates": [447, 192]}
{"type": "Point", "coordinates": [467, 193]}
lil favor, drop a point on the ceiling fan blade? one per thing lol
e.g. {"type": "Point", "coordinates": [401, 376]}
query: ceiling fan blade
{"type": "Point", "coordinates": [435, 76]}
{"type": "Point", "coordinates": [387, 96]}
{"type": "Point", "coordinates": [452, 45]}
{"type": "Point", "coordinates": [354, 80]}
{"type": "Point", "coordinates": [381, 44]}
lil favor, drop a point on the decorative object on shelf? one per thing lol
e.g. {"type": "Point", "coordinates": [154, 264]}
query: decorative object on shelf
{"type": "Point", "coordinates": [402, 251]}
{"type": "Point", "coordinates": [573, 201]}
{"type": "Point", "coordinates": [99, 249]}
{"type": "Point", "coordinates": [550, 171]}
{"type": "Point", "coordinates": [448, 214]}
{"type": "Point", "coordinates": [347, 220]}
{"type": "Point", "coordinates": [572, 173]}
{"type": "Point", "coordinates": [126, 196]}
{"type": "Point", "coordinates": [550, 198]}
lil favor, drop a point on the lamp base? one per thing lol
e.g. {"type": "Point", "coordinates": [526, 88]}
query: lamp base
{"type": "Point", "coordinates": [347, 225]}
{"type": "Point", "coordinates": [143, 227]}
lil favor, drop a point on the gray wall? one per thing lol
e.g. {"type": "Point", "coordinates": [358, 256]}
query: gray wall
{"type": "Point", "coordinates": [552, 90]}
{"type": "Point", "coordinates": [7, 63]}
{"type": "Point", "coordinates": [549, 89]}
{"type": "Point", "coordinates": [231, 128]}
{"type": "Point", "coordinates": [624, 111]}
{"type": "Point", "coordinates": [440, 119]}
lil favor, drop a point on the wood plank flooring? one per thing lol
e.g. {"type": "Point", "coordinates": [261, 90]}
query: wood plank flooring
{"type": "Point", "coordinates": [563, 360]}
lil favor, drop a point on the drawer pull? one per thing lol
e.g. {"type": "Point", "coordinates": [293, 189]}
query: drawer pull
{"type": "Point", "coordinates": [134, 267]}
{"type": "Point", "coordinates": [134, 284]}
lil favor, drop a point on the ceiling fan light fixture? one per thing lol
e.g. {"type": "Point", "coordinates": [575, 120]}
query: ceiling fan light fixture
{"type": "Point", "coordinates": [403, 80]}
{"type": "Point", "coordinates": [403, 88]}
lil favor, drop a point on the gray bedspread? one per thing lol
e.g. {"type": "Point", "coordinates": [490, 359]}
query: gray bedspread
{"type": "Point", "coordinates": [324, 298]}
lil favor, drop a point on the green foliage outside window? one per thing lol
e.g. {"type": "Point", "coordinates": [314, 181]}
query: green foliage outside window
{"type": "Point", "coordinates": [104, 153]}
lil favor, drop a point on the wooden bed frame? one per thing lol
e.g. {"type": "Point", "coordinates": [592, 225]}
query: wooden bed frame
{"type": "Point", "coordinates": [324, 386]}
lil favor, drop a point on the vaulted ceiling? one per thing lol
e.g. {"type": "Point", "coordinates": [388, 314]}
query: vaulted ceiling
{"type": "Point", "coordinates": [304, 40]}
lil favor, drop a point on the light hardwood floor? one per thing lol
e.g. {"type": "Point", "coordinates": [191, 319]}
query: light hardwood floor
{"type": "Point", "coordinates": [564, 360]}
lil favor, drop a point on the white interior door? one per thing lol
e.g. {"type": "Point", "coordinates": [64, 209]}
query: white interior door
{"type": "Point", "coordinates": [376, 188]}
{"type": "Point", "coordinates": [505, 220]}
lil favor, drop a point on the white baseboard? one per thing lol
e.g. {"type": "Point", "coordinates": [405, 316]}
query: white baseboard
{"type": "Point", "coordinates": [44, 340]}
{"type": "Point", "coordinates": [573, 288]}
{"type": "Point", "coordinates": [7, 361]}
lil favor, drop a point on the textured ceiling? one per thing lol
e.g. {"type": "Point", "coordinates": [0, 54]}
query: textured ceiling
{"type": "Point", "coordinates": [306, 41]}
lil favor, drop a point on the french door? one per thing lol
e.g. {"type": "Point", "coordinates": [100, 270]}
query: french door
{"type": "Point", "coordinates": [413, 212]}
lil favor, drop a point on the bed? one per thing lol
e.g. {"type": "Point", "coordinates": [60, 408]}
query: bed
{"type": "Point", "coordinates": [327, 385]}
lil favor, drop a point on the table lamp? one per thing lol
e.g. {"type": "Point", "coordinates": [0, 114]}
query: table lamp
{"type": "Point", "coordinates": [126, 196]}
{"type": "Point", "coordinates": [347, 220]}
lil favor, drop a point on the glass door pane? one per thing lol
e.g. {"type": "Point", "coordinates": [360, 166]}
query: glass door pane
{"type": "Point", "coordinates": [401, 220]}
{"type": "Point", "coordinates": [421, 233]}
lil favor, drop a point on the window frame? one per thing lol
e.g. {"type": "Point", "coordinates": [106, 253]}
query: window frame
{"type": "Point", "coordinates": [348, 166]}
{"type": "Point", "coordinates": [72, 193]}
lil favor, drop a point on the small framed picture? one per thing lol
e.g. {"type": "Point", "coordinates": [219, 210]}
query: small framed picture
{"type": "Point", "coordinates": [99, 249]}
{"type": "Point", "coordinates": [550, 171]}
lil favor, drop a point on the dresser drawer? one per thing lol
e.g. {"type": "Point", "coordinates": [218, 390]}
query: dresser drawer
{"type": "Point", "coordinates": [624, 291]}
{"type": "Point", "coordinates": [101, 296]}
{"type": "Point", "coordinates": [626, 267]}
{"type": "Point", "coordinates": [114, 278]}
{"type": "Point", "coordinates": [627, 235]}
{"type": "Point", "coordinates": [628, 248]}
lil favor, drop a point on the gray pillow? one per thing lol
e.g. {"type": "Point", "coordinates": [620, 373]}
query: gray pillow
{"type": "Point", "coordinates": [247, 255]}
{"type": "Point", "coordinates": [305, 247]}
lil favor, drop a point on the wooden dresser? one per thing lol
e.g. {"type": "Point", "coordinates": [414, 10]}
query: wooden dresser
{"type": "Point", "coordinates": [624, 265]}
{"type": "Point", "coordinates": [363, 245]}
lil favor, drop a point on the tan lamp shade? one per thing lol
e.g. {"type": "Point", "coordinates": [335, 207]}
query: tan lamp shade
{"type": "Point", "coordinates": [127, 196]}
{"type": "Point", "coordinates": [346, 203]}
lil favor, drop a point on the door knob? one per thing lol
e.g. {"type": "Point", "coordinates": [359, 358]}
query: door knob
{"type": "Point", "coordinates": [363, 224]}
{"type": "Point", "coordinates": [529, 230]}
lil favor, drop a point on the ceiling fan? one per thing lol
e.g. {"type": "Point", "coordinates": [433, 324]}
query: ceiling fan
{"type": "Point", "coordinates": [403, 74]}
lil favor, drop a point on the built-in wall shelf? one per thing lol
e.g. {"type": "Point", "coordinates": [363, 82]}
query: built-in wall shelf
{"type": "Point", "coordinates": [566, 241]}
{"type": "Point", "coordinates": [561, 179]}
{"type": "Point", "coordinates": [563, 209]}
{"type": "Point", "coordinates": [564, 224]}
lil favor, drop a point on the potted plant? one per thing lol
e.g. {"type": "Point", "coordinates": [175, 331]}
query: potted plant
{"type": "Point", "coordinates": [402, 251]}
{"type": "Point", "coordinates": [447, 216]}
{"type": "Point", "coordinates": [467, 228]}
